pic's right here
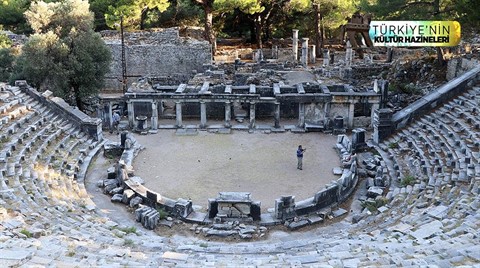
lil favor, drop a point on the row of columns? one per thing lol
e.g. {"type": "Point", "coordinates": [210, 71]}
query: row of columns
{"type": "Point", "coordinates": [228, 114]}
{"type": "Point", "coordinates": [305, 52]}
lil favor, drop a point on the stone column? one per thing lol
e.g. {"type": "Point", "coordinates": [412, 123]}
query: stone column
{"type": "Point", "coordinates": [305, 52]}
{"type": "Point", "coordinates": [313, 54]}
{"type": "Point", "coordinates": [301, 115]}
{"type": "Point", "coordinates": [162, 109]}
{"type": "Point", "coordinates": [154, 118]}
{"type": "Point", "coordinates": [178, 114]}
{"type": "Point", "coordinates": [276, 115]}
{"type": "Point", "coordinates": [228, 114]}
{"type": "Point", "coordinates": [326, 57]}
{"type": "Point", "coordinates": [203, 114]}
{"type": "Point", "coordinates": [109, 116]}
{"type": "Point", "coordinates": [375, 106]}
{"type": "Point", "coordinates": [351, 110]}
{"type": "Point", "coordinates": [100, 113]}
{"type": "Point", "coordinates": [295, 45]}
{"type": "Point", "coordinates": [252, 115]}
{"type": "Point", "coordinates": [349, 55]}
{"type": "Point", "coordinates": [131, 114]}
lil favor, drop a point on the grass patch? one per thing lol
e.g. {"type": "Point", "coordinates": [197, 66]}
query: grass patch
{"type": "Point", "coordinates": [163, 213]}
{"type": "Point", "coordinates": [26, 233]}
{"type": "Point", "coordinates": [373, 205]}
{"type": "Point", "coordinates": [404, 88]}
{"type": "Point", "coordinates": [4, 139]}
{"type": "Point", "coordinates": [393, 145]}
{"type": "Point", "coordinates": [129, 230]}
{"type": "Point", "coordinates": [128, 243]}
{"type": "Point", "coordinates": [407, 180]}
{"type": "Point", "coordinates": [71, 253]}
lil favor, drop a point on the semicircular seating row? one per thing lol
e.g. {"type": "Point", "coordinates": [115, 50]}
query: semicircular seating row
{"type": "Point", "coordinates": [433, 221]}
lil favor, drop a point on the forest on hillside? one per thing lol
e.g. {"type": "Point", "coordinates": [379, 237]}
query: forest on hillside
{"type": "Point", "coordinates": [255, 21]}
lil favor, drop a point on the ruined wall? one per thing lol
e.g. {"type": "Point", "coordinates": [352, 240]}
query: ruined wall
{"type": "Point", "coordinates": [315, 113]}
{"type": "Point", "coordinates": [459, 66]}
{"type": "Point", "coordinates": [155, 54]}
{"type": "Point", "coordinates": [89, 125]}
{"type": "Point", "coordinates": [339, 109]}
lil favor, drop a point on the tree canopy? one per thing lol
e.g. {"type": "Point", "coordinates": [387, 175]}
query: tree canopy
{"type": "Point", "coordinates": [64, 54]}
{"type": "Point", "coordinates": [11, 15]}
{"type": "Point", "coordinates": [258, 19]}
{"type": "Point", "coordinates": [134, 12]}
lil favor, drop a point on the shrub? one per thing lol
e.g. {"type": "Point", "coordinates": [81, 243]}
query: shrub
{"type": "Point", "coordinates": [163, 213]}
{"type": "Point", "coordinates": [129, 230]}
{"type": "Point", "coordinates": [393, 145]}
{"type": "Point", "coordinates": [407, 180]}
{"type": "Point", "coordinates": [26, 233]}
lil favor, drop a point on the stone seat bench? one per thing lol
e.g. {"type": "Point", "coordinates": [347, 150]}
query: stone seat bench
{"type": "Point", "coordinates": [46, 142]}
{"type": "Point", "coordinates": [459, 125]}
{"type": "Point", "coordinates": [314, 127]}
{"type": "Point", "coordinates": [417, 148]}
{"type": "Point", "coordinates": [56, 152]}
{"type": "Point", "coordinates": [6, 108]}
{"type": "Point", "coordinates": [34, 143]}
{"type": "Point", "coordinates": [20, 119]}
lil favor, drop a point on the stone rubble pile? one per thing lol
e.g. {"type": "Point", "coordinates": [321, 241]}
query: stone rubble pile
{"type": "Point", "coordinates": [230, 229]}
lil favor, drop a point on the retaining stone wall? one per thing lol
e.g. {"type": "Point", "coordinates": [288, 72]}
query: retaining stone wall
{"type": "Point", "coordinates": [91, 126]}
{"type": "Point", "coordinates": [434, 99]}
{"type": "Point", "coordinates": [155, 54]}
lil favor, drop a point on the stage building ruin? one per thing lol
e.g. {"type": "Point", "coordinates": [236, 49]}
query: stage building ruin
{"type": "Point", "coordinates": [314, 107]}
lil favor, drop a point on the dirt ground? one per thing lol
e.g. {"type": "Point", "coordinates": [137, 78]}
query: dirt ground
{"type": "Point", "coordinates": [198, 167]}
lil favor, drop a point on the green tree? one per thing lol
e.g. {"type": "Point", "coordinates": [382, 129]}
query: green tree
{"type": "Point", "coordinates": [468, 17]}
{"type": "Point", "coordinates": [409, 9]}
{"type": "Point", "coordinates": [207, 6]}
{"type": "Point", "coordinates": [179, 13]}
{"type": "Point", "coordinates": [134, 12]}
{"type": "Point", "coordinates": [99, 9]}
{"type": "Point", "coordinates": [11, 15]}
{"type": "Point", "coordinates": [5, 42]}
{"type": "Point", "coordinates": [64, 55]}
{"type": "Point", "coordinates": [329, 15]}
{"type": "Point", "coordinates": [6, 63]}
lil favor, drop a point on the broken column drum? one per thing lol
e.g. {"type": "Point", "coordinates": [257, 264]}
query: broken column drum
{"type": "Point", "coordinates": [358, 139]}
{"type": "Point", "coordinates": [338, 125]}
{"type": "Point", "coordinates": [141, 123]}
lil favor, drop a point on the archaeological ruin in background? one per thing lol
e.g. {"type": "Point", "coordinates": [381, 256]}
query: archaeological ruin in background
{"type": "Point", "coordinates": [171, 78]}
